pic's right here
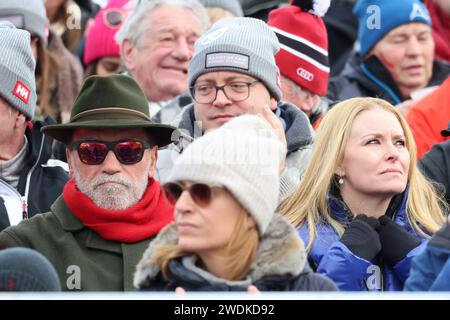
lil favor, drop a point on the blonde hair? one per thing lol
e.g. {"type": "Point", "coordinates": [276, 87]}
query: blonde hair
{"type": "Point", "coordinates": [307, 204]}
{"type": "Point", "coordinates": [216, 13]}
{"type": "Point", "coordinates": [241, 251]}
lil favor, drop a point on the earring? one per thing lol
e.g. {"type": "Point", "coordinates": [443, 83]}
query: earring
{"type": "Point", "coordinates": [341, 181]}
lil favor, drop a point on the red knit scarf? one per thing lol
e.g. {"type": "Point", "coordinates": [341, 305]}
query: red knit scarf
{"type": "Point", "coordinates": [141, 221]}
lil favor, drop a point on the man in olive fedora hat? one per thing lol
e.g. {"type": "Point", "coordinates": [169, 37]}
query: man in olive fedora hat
{"type": "Point", "coordinates": [111, 207]}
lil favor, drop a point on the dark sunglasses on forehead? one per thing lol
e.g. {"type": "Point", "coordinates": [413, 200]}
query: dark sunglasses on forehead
{"type": "Point", "coordinates": [94, 152]}
{"type": "Point", "coordinates": [200, 193]}
{"type": "Point", "coordinates": [113, 17]}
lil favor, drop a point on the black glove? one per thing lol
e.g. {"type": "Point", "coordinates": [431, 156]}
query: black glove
{"type": "Point", "coordinates": [395, 241]}
{"type": "Point", "coordinates": [361, 238]}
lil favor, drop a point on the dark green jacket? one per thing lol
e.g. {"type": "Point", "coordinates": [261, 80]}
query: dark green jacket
{"type": "Point", "coordinates": [84, 260]}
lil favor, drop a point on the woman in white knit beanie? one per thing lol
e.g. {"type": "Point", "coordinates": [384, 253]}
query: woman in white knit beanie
{"type": "Point", "coordinates": [225, 236]}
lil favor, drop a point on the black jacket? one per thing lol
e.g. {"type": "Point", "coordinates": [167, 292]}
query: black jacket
{"type": "Point", "coordinates": [370, 78]}
{"type": "Point", "coordinates": [280, 265]}
{"type": "Point", "coordinates": [42, 179]}
{"type": "Point", "coordinates": [435, 165]}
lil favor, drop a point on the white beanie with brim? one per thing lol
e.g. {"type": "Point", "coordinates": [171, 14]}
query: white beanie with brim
{"type": "Point", "coordinates": [244, 157]}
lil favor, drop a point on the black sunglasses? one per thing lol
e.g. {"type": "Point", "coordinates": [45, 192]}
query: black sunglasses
{"type": "Point", "coordinates": [200, 193]}
{"type": "Point", "coordinates": [94, 152]}
{"type": "Point", "coordinates": [113, 17]}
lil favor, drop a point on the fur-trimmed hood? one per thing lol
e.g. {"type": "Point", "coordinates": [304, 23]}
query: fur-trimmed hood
{"type": "Point", "coordinates": [280, 252]}
{"type": "Point", "coordinates": [298, 131]}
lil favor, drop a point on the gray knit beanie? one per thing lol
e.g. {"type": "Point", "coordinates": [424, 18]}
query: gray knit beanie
{"type": "Point", "coordinates": [244, 45]}
{"type": "Point", "coordinates": [234, 6]}
{"type": "Point", "coordinates": [23, 269]}
{"type": "Point", "coordinates": [243, 156]}
{"type": "Point", "coordinates": [17, 81]}
{"type": "Point", "coordinates": [29, 15]}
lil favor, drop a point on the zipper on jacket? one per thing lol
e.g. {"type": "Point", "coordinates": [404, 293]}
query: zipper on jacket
{"type": "Point", "coordinates": [381, 262]}
{"type": "Point", "coordinates": [27, 185]}
{"type": "Point", "coordinates": [24, 209]}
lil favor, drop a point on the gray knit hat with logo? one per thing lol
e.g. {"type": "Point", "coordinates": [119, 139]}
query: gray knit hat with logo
{"type": "Point", "coordinates": [244, 45]}
{"type": "Point", "coordinates": [234, 6]}
{"type": "Point", "coordinates": [23, 269]}
{"type": "Point", "coordinates": [29, 15]}
{"type": "Point", "coordinates": [17, 64]}
{"type": "Point", "coordinates": [242, 156]}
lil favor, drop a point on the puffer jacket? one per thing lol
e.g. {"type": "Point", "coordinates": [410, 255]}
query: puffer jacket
{"type": "Point", "coordinates": [299, 137]}
{"type": "Point", "coordinates": [332, 258]}
{"type": "Point", "coordinates": [370, 78]}
{"type": "Point", "coordinates": [280, 266]}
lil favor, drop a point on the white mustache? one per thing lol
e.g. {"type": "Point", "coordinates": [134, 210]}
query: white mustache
{"type": "Point", "coordinates": [104, 179]}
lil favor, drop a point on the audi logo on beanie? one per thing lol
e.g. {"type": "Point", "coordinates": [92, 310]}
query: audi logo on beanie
{"type": "Point", "coordinates": [308, 76]}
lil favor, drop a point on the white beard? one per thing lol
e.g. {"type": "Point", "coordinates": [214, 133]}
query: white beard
{"type": "Point", "coordinates": [120, 195]}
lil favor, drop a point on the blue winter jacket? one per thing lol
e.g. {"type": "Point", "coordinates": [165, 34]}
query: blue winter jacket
{"type": "Point", "coordinates": [430, 270]}
{"type": "Point", "coordinates": [351, 273]}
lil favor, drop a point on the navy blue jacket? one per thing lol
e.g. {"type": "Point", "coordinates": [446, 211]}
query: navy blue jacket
{"type": "Point", "coordinates": [332, 258]}
{"type": "Point", "coordinates": [430, 271]}
{"type": "Point", "coordinates": [370, 78]}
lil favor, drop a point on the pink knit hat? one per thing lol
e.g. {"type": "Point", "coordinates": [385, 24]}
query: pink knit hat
{"type": "Point", "coordinates": [100, 37]}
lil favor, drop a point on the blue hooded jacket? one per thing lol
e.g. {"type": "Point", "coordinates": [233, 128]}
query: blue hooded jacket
{"type": "Point", "coordinates": [430, 270]}
{"type": "Point", "coordinates": [350, 272]}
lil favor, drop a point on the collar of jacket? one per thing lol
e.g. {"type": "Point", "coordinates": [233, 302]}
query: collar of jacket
{"type": "Point", "coordinates": [67, 220]}
{"type": "Point", "coordinates": [280, 252]}
{"type": "Point", "coordinates": [298, 129]}
{"type": "Point", "coordinates": [72, 224]}
{"type": "Point", "coordinates": [375, 71]}
{"type": "Point", "coordinates": [40, 149]}
{"type": "Point", "coordinates": [396, 209]}
{"type": "Point", "coordinates": [375, 67]}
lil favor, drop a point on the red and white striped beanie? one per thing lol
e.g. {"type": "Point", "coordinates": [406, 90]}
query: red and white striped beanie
{"type": "Point", "coordinates": [303, 38]}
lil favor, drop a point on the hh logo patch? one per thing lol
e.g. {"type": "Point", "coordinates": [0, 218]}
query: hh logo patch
{"type": "Point", "coordinates": [22, 92]}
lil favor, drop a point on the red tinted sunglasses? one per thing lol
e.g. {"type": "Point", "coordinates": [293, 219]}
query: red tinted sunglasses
{"type": "Point", "coordinates": [94, 152]}
{"type": "Point", "coordinates": [200, 193]}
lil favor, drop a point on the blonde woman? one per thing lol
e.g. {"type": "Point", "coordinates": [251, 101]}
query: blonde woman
{"type": "Point", "coordinates": [363, 208]}
{"type": "Point", "coordinates": [226, 236]}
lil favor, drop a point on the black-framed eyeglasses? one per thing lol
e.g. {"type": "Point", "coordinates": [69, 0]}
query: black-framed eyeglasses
{"type": "Point", "coordinates": [234, 91]}
{"type": "Point", "coordinates": [94, 152]}
{"type": "Point", "coordinates": [201, 193]}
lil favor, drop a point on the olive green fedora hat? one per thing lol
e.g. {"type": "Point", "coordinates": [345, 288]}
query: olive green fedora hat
{"type": "Point", "coordinates": [111, 102]}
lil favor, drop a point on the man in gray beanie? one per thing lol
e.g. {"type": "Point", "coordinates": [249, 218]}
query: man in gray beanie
{"type": "Point", "coordinates": [233, 72]}
{"type": "Point", "coordinates": [29, 180]}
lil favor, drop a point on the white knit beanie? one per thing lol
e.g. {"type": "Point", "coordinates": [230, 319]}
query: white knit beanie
{"type": "Point", "coordinates": [244, 157]}
{"type": "Point", "coordinates": [17, 64]}
{"type": "Point", "coordinates": [244, 45]}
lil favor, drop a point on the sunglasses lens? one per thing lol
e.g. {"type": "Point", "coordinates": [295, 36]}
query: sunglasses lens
{"type": "Point", "coordinates": [129, 152]}
{"type": "Point", "coordinates": [114, 18]}
{"type": "Point", "coordinates": [92, 152]}
{"type": "Point", "coordinates": [201, 194]}
{"type": "Point", "coordinates": [172, 192]}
